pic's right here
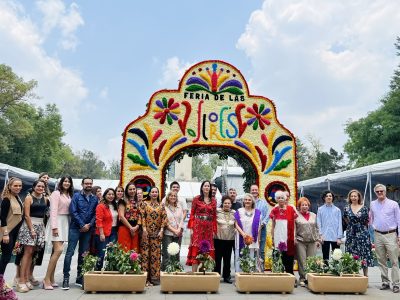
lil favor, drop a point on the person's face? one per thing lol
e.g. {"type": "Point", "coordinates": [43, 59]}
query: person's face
{"type": "Point", "coordinates": [154, 193]}
{"type": "Point", "coordinates": [110, 196]}
{"type": "Point", "coordinates": [87, 185]}
{"type": "Point", "coordinates": [254, 191]}
{"type": "Point", "coordinates": [232, 194]}
{"type": "Point", "coordinates": [304, 207]}
{"type": "Point", "coordinates": [39, 188]}
{"type": "Point", "coordinates": [16, 187]}
{"type": "Point", "coordinates": [139, 194]}
{"type": "Point", "coordinates": [281, 200]}
{"type": "Point", "coordinates": [45, 178]}
{"type": "Point", "coordinates": [131, 191]}
{"type": "Point", "coordinates": [247, 202]}
{"type": "Point", "coordinates": [172, 198]}
{"type": "Point", "coordinates": [227, 205]}
{"type": "Point", "coordinates": [66, 184]}
{"type": "Point", "coordinates": [213, 191]}
{"type": "Point", "coordinates": [120, 193]}
{"type": "Point", "coordinates": [329, 198]}
{"type": "Point", "coordinates": [175, 188]}
{"type": "Point", "coordinates": [206, 188]}
{"type": "Point", "coordinates": [354, 198]}
{"type": "Point", "coordinates": [99, 193]}
{"type": "Point", "coordinates": [380, 193]}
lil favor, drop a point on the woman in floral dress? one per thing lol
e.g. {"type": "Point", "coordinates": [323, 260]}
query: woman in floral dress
{"type": "Point", "coordinates": [202, 223]}
{"type": "Point", "coordinates": [358, 242]}
{"type": "Point", "coordinates": [153, 220]}
{"type": "Point", "coordinates": [128, 214]}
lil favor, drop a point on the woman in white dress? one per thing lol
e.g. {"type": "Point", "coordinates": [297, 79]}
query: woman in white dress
{"type": "Point", "coordinates": [247, 223]}
{"type": "Point", "coordinates": [58, 226]}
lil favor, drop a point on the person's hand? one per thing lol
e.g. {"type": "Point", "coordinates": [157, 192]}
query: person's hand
{"type": "Point", "coordinates": [55, 232]}
{"type": "Point", "coordinates": [160, 234]}
{"type": "Point", "coordinates": [339, 241]}
{"type": "Point", "coordinates": [145, 234]}
{"type": "Point", "coordinates": [85, 228]}
{"type": "Point", "coordinates": [318, 244]}
{"type": "Point", "coordinates": [33, 233]}
{"type": "Point", "coordinates": [102, 237]}
{"type": "Point", "coordinates": [132, 231]}
{"type": "Point", "coordinates": [6, 239]}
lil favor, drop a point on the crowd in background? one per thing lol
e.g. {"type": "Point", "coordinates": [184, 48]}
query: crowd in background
{"type": "Point", "coordinates": [90, 219]}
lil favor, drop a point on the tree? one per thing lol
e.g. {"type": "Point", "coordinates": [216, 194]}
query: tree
{"type": "Point", "coordinates": [375, 138]}
{"type": "Point", "coordinates": [201, 169]}
{"type": "Point", "coordinates": [91, 165]}
{"type": "Point", "coordinates": [114, 170]}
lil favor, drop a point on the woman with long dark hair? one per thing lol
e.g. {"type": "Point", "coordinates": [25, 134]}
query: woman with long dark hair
{"type": "Point", "coordinates": [153, 221]}
{"type": "Point", "coordinates": [58, 226]}
{"type": "Point", "coordinates": [202, 223]}
{"type": "Point", "coordinates": [129, 215]}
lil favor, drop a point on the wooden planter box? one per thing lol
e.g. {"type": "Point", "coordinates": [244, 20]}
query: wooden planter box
{"type": "Point", "coordinates": [325, 283]}
{"type": "Point", "coordinates": [190, 282]}
{"type": "Point", "coordinates": [265, 282]}
{"type": "Point", "coordinates": [110, 281]}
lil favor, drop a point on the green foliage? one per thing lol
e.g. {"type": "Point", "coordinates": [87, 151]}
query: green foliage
{"type": "Point", "coordinates": [277, 264]}
{"type": "Point", "coordinates": [246, 262]}
{"type": "Point", "coordinates": [117, 259]}
{"type": "Point", "coordinates": [114, 169]}
{"type": "Point", "coordinates": [89, 263]}
{"type": "Point", "coordinates": [375, 138]}
{"type": "Point", "coordinates": [347, 264]}
{"type": "Point", "coordinates": [207, 263]}
{"type": "Point", "coordinates": [315, 264]}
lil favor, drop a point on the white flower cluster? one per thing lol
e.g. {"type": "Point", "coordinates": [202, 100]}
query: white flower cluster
{"type": "Point", "coordinates": [337, 254]}
{"type": "Point", "coordinates": [173, 248]}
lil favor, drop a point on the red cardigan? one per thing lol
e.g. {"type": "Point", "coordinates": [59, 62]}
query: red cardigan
{"type": "Point", "coordinates": [103, 219]}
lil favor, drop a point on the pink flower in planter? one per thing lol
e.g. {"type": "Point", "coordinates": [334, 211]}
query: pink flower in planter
{"type": "Point", "coordinates": [134, 256]}
{"type": "Point", "coordinates": [356, 257]}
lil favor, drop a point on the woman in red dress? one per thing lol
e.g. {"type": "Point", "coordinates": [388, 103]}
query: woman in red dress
{"type": "Point", "coordinates": [202, 223]}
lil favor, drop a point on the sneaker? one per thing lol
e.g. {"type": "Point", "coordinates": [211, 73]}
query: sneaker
{"type": "Point", "coordinates": [395, 289]}
{"type": "Point", "coordinates": [302, 283]}
{"type": "Point", "coordinates": [385, 286]}
{"type": "Point", "coordinates": [65, 284]}
{"type": "Point", "coordinates": [79, 281]}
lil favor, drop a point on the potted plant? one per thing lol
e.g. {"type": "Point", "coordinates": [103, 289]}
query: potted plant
{"type": "Point", "coordinates": [340, 275]}
{"type": "Point", "coordinates": [251, 281]}
{"type": "Point", "coordinates": [175, 280]}
{"type": "Point", "coordinates": [121, 272]}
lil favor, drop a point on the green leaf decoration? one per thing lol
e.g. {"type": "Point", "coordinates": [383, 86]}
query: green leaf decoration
{"type": "Point", "coordinates": [136, 159]}
{"type": "Point", "coordinates": [195, 88]}
{"type": "Point", "coordinates": [165, 102]}
{"type": "Point", "coordinates": [260, 110]}
{"type": "Point", "coordinates": [255, 125]}
{"type": "Point", "coordinates": [191, 132]}
{"type": "Point", "coordinates": [169, 120]}
{"type": "Point", "coordinates": [232, 90]}
{"type": "Point", "coordinates": [283, 164]}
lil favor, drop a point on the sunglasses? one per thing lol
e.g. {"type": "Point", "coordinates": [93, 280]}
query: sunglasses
{"type": "Point", "coordinates": [378, 192]}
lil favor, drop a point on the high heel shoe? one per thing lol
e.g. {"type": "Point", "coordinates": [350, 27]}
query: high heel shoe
{"type": "Point", "coordinates": [34, 281]}
{"type": "Point", "coordinates": [47, 287]}
{"type": "Point", "coordinates": [22, 288]}
{"type": "Point", "coordinates": [29, 285]}
{"type": "Point", "coordinates": [53, 284]}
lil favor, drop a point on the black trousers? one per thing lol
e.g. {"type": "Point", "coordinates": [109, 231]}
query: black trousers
{"type": "Point", "coordinates": [6, 249]}
{"type": "Point", "coordinates": [326, 249]}
{"type": "Point", "coordinates": [288, 261]}
{"type": "Point", "coordinates": [223, 251]}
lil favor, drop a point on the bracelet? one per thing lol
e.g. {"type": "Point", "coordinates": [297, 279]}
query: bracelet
{"type": "Point", "coordinates": [5, 235]}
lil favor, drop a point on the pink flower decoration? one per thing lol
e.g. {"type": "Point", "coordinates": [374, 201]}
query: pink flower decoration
{"type": "Point", "coordinates": [134, 256]}
{"type": "Point", "coordinates": [356, 257]}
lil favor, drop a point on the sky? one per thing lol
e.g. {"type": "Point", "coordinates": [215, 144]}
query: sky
{"type": "Point", "coordinates": [322, 62]}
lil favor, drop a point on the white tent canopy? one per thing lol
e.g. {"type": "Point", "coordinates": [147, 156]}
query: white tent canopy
{"type": "Point", "coordinates": [363, 179]}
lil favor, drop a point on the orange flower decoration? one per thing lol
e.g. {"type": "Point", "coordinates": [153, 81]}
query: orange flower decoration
{"type": "Point", "coordinates": [248, 240]}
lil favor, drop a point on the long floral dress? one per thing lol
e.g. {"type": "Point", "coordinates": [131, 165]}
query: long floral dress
{"type": "Point", "coordinates": [203, 222]}
{"type": "Point", "coordinates": [357, 235]}
{"type": "Point", "coordinates": [153, 219]}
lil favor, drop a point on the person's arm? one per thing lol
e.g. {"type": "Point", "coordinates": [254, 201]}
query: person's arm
{"type": "Point", "coordinates": [241, 232]}
{"type": "Point", "coordinates": [192, 213]}
{"type": "Point", "coordinates": [54, 203]}
{"type": "Point", "coordinates": [319, 223]}
{"type": "Point", "coordinates": [73, 210]}
{"type": "Point", "coordinates": [93, 212]}
{"type": "Point", "coordinates": [265, 212]}
{"type": "Point", "coordinates": [273, 231]}
{"type": "Point", "coordinates": [397, 217]}
{"type": "Point", "coordinates": [340, 227]}
{"type": "Point", "coordinates": [4, 208]}
{"type": "Point", "coordinates": [27, 213]}
{"type": "Point", "coordinates": [121, 216]}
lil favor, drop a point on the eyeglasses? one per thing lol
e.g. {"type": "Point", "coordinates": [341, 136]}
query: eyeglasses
{"type": "Point", "coordinates": [378, 192]}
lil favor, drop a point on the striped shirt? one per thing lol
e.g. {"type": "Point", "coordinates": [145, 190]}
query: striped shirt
{"type": "Point", "coordinates": [262, 206]}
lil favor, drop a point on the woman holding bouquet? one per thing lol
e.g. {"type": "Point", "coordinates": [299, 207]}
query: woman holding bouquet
{"type": "Point", "coordinates": [248, 225]}
{"type": "Point", "coordinates": [202, 223]}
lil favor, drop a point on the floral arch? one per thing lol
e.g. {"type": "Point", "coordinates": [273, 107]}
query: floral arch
{"type": "Point", "coordinates": [212, 107]}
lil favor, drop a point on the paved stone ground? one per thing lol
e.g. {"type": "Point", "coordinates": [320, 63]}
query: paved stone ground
{"type": "Point", "coordinates": [226, 291]}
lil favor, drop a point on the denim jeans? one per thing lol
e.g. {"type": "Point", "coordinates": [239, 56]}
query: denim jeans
{"type": "Point", "coordinates": [263, 239]}
{"type": "Point", "coordinates": [100, 248]}
{"type": "Point", "coordinates": [75, 236]}
{"type": "Point", "coordinates": [114, 235]}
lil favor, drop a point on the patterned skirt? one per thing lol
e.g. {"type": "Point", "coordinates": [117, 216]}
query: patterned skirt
{"type": "Point", "coordinates": [25, 237]}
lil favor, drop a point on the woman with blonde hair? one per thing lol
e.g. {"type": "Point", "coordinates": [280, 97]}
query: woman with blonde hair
{"type": "Point", "coordinates": [307, 236]}
{"type": "Point", "coordinates": [174, 229]}
{"type": "Point", "coordinates": [358, 242]}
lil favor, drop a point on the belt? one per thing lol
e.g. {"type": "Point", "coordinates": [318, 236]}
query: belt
{"type": "Point", "coordinates": [386, 232]}
{"type": "Point", "coordinates": [205, 218]}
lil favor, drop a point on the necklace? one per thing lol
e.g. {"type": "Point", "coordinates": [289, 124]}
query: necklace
{"type": "Point", "coordinates": [248, 214]}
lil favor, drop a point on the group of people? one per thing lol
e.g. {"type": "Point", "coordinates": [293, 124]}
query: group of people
{"type": "Point", "coordinates": [92, 219]}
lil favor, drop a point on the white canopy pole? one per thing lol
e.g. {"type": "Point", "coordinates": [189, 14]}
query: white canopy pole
{"type": "Point", "coordinates": [366, 185]}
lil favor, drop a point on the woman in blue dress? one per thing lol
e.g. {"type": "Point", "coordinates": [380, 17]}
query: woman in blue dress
{"type": "Point", "coordinates": [356, 217]}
